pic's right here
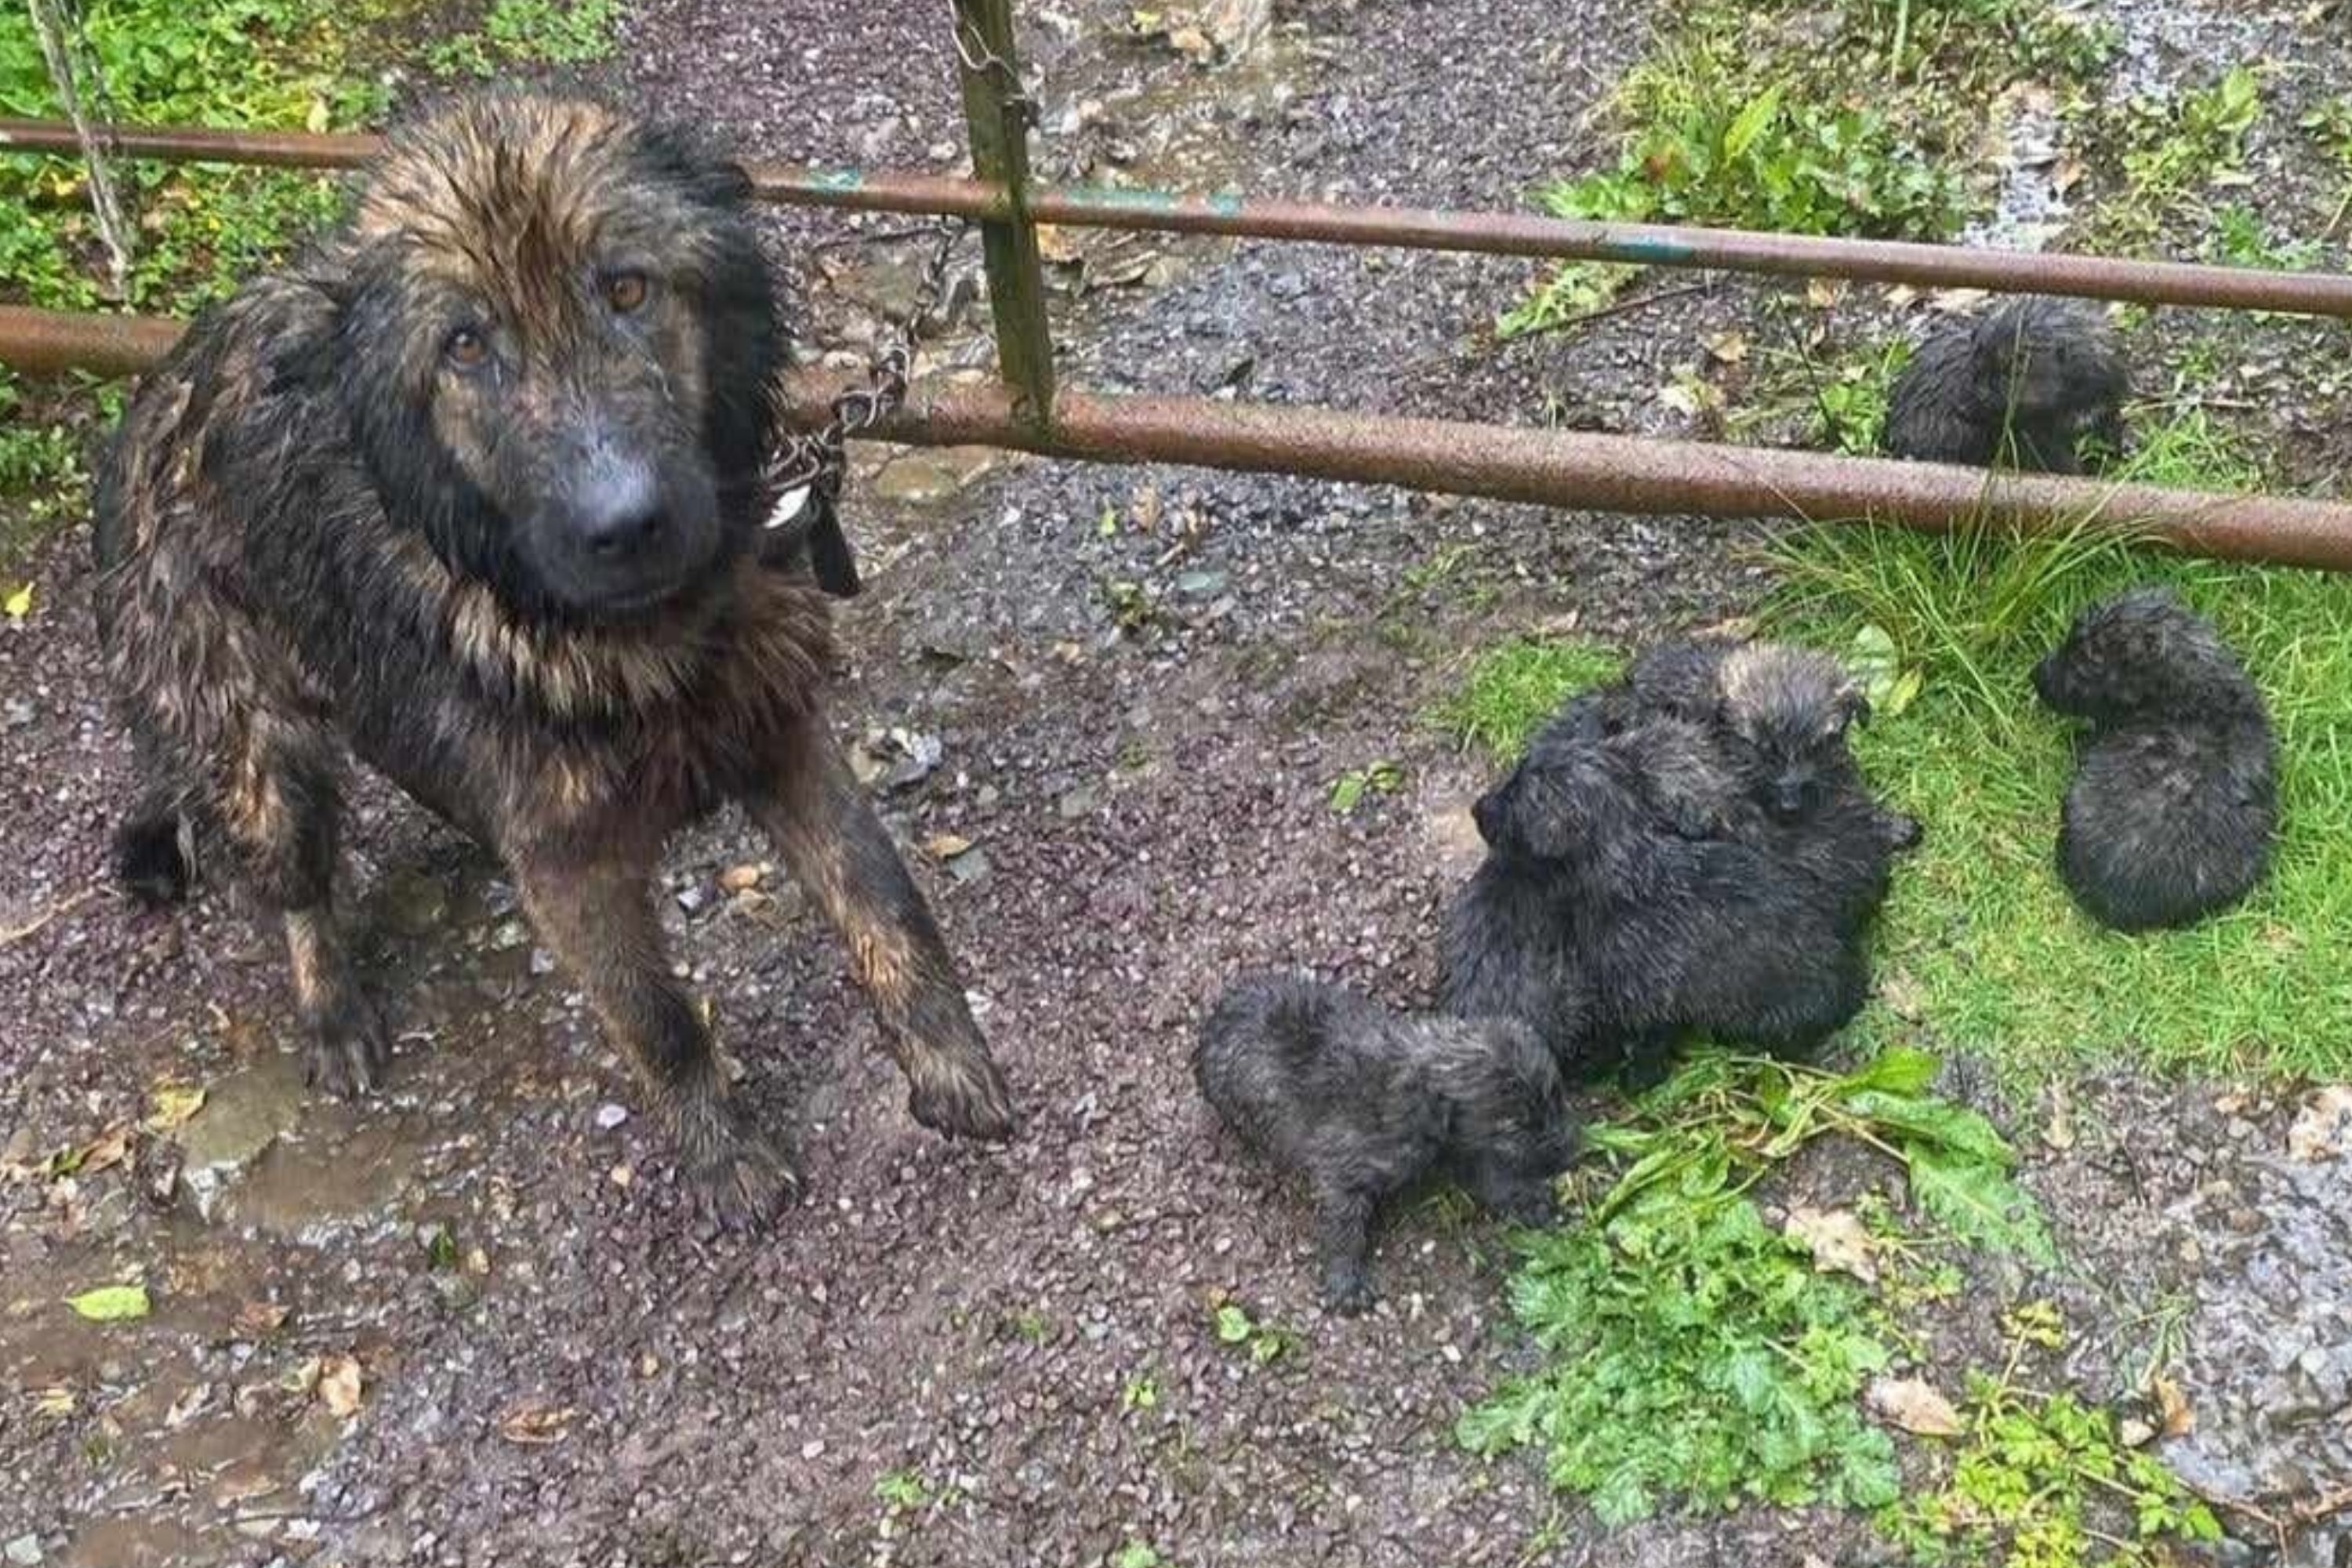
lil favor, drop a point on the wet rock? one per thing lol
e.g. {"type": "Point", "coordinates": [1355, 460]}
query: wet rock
{"type": "Point", "coordinates": [1084, 801]}
{"type": "Point", "coordinates": [243, 1114]}
{"type": "Point", "coordinates": [609, 1116]}
{"type": "Point", "coordinates": [1199, 584]}
{"type": "Point", "coordinates": [969, 867]}
{"type": "Point", "coordinates": [895, 759]}
{"type": "Point", "coordinates": [930, 478]}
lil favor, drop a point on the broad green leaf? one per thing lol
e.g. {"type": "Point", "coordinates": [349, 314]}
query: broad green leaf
{"type": "Point", "coordinates": [111, 1303]}
{"type": "Point", "coordinates": [1233, 1325]}
{"type": "Point", "coordinates": [1751, 123]}
{"type": "Point", "coordinates": [1978, 1202]}
{"type": "Point", "coordinates": [1937, 1124]}
{"type": "Point", "coordinates": [19, 603]}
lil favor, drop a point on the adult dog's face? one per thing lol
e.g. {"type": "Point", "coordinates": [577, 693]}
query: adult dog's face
{"type": "Point", "coordinates": [559, 342]}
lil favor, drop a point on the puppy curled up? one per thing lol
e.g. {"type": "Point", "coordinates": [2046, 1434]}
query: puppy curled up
{"type": "Point", "coordinates": [2024, 384]}
{"type": "Point", "coordinates": [2174, 804]}
{"type": "Point", "coordinates": [1366, 1104]}
{"type": "Point", "coordinates": [1649, 876]}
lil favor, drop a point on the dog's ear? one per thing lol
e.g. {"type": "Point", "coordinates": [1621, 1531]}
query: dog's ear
{"type": "Point", "coordinates": [1852, 708]}
{"type": "Point", "coordinates": [695, 163]}
{"type": "Point", "coordinates": [1493, 811]}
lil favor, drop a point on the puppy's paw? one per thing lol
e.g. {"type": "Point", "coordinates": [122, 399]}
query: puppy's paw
{"type": "Point", "coordinates": [738, 1177]}
{"type": "Point", "coordinates": [961, 1094]}
{"type": "Point", "coordinates": [1348, 1290]}
{"type": "Point", "coordinates": [349, 1047]}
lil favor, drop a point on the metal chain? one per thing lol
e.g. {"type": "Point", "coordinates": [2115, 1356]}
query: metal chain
{"type": "Point", "coordinates": [816, 462]}
{"type": "Point", "coordinates": [973, 50]}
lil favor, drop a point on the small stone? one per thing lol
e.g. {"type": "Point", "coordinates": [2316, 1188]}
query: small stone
{"type": "Point", "coordinates": [509, 935]}
{"type": "Point", "coordinates": [23, 1552]}
{"type": "Point", "coordinates": [988, 796]}
{"type": "Point", "coordinates": [813, 1448]}
{"type": "Point", "coordinates": [1080, 802]}
{"type": "Point", "coordinates": [2135, 1432]}
{"type": "Point", "coordinates": [20, 716]}
{"type": "Point", "coordinates": [609, 1116]}
{"type": "Point", "coordinates": [1288, 286]}
{"type": "Point", "coordinates": [541, 961]}
{"type": "Point", "coordinates": [969, 867]}
{"type": "Point", "coordinates": [1199, 584]}
{"type": "Point", "coordinates": [691, 898]}
{"type": "Point", "coordinates": [741, 879]}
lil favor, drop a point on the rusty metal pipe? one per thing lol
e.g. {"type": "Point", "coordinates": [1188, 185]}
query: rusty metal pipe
{"type": "Point", "coordinates": [1503, 234]}
{"type": "Point", "coordinates": [1609, 473]}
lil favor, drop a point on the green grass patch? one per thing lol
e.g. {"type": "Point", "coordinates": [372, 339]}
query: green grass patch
{"type": "Point", "coordinates": [2170, 154]}
{"type": "Point", "coordinates": [1862, 120]}
{"type": "Point", "coordinates": [529, 32]}
{"type": "Point", "coordinates": [1511, 690]}
{"type": "Point", "coordinates": [1981, 948]}
{"type": "Point", "coordinates": [1695, 1356]}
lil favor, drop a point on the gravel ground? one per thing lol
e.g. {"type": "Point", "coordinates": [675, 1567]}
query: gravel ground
{"type": "Point", "coordinates": [474, 1323]}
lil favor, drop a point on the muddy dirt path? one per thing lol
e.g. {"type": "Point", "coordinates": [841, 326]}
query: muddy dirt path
{"type": "Point", "coordinates": [473, 1324]}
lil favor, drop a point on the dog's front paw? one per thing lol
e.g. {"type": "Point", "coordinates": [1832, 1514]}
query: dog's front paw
{"type": "Point", "coordinates": [1348, 1289]}
{"type": "Point", "coordinates": [738, 1177]}
{"type": "Point", "coordinates": [349, 1047]}
{"type": "Point", "coordinates": [962, 1094]}
{"type": "Point", "coordinates": [1905, 832]}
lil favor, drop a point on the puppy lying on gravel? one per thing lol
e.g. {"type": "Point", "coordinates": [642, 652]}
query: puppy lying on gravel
{"type": "Point", "coordinates": [2175, 800]}
{"type": "Point", "coordinates": [1366, 1104]}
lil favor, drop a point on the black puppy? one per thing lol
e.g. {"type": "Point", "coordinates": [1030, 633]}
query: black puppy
{"type": "Point", "coordinates": [1648, 876]}
{"type": "Point", "coordinates": [1365, 1103]}
{"type": "Point", "coordinates": [2175, 799]}
{"type": "Point", "coordinates": [2025, 383]}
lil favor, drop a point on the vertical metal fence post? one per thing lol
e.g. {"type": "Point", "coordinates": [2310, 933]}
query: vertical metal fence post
{"type": "Point", "coordinates": [997, 114]}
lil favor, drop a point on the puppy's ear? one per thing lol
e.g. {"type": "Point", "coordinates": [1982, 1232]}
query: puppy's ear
{"type": "Point", "coordinates": [1852, 708]}
{"type": "Point", "coordinates": [1493, 811]}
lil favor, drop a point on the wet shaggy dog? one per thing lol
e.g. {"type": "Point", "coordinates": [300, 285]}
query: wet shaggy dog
{"type": "Point", "coordinates": [2023, 384]}
{"type": "Point", "coordinates": [1651, 873]}
{"type": "Point", "coordinates": [470, 491]}
{"type": "Point", "coordinates": [2174, 805]}
{"type": "Point", "coordinates": [1366, 1104]}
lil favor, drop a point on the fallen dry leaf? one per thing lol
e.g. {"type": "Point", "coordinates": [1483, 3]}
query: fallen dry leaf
{"type": "Point", "coordinates": [108, 1150]}
{"type": "Point", "coordinates": [54, 1404]}
{"type": "Point", "coordinates": [2178, 1419]}
{"type": "Point", "coordinates": [1728, 348]}
{"type": "Point", "coordinates": [256, 1319]}
{"type": "Point", "coordinates": [537, 1426]}
{"type": "Point", "coordinates": [946, 845]}
{"type": "Point", "coordinates": [1913, 1403]}
{"type": "Point", "coordinates": [2323, 1128]}
{"type": "Point", "coordinates": [340, 1385]}
{"type": "Point", "coordinates": [1822, 293]}
{"type": "Point", "coordinates": [1054, 244]}
{"type": "Point", "coordinates": [171, 1105]}
{"type": "Point", "coordinates": [2059, 1130]}
{"type": "Point", "coordinates": [1836, 1240]}
{"type": "Point", "coordinates": [741, 878]}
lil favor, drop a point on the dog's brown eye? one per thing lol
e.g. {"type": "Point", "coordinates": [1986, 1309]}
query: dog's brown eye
{"type": "Point", "coordinates": [625, 291]}
{"type": "Point", "coordinates": [466, 349]}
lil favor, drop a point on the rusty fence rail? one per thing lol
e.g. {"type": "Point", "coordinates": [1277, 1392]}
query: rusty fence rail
{"type": "Point", "coordinates": [1414, 228]}
{"type": "Point", "coordinates": [1027, 412]}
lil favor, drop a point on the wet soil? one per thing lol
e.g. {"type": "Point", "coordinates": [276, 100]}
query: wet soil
{"type": "Point", "coordinates": [474, 1321]}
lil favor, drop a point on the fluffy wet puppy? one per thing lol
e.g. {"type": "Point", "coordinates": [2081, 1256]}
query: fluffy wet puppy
{"type": "Point", "coordinates": [2174, 805]}
{"type": "Point", "coordinates": [1651, 874]}
{"type": "Point", "coordinates": [471, 491]}
{"type": "Point", "coordinates": [2024, 384]}
{"type": "Point", "coordinates": [1365, 1104]}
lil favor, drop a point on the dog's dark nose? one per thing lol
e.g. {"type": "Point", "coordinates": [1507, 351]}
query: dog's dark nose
{"type": "Point", "coordinates": [1789, 797]}
{"type": "Point", "coordinates": [619, 513]}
